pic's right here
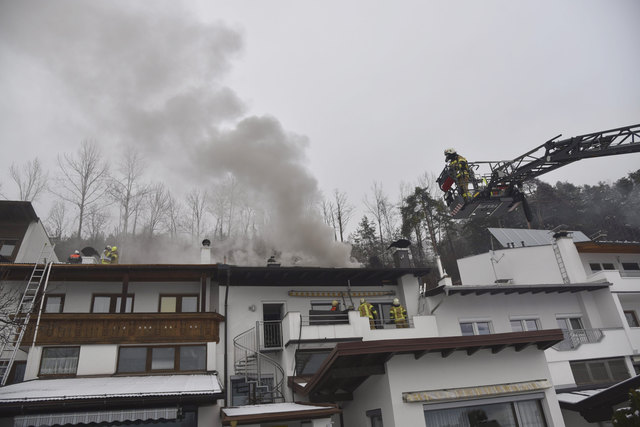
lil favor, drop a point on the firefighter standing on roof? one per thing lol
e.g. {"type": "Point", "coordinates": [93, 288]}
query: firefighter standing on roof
{"type": "Point", "coordinates": [459, 166]}
{"type": "Point", "coordinates": [398, 314]}
{"type": "Point", "coordinates": [367, 310]}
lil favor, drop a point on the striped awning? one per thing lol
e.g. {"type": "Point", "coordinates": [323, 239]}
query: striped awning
{"type": "Point", "coordinates": [474, 392]}
{"type": "Point", "coordinates": [95, 417]}
{"type": "Point", "coordinates": [332, 294]}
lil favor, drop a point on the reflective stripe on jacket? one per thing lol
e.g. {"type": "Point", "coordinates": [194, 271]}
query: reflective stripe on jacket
{"type": "Point", "coordinates": [398, 312]}
{"type": "Point", "coordinates": [367, 310]}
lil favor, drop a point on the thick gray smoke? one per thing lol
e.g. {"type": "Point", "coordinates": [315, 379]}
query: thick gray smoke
{"type": "Point", "coordinates": [154, 79]}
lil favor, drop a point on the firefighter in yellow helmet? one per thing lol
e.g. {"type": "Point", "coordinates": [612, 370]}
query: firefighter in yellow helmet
{"type": "Point", "coordinates": [367, 310]}
{"type": "Point", "coordinates": [398, 314]}
{"type": "Point", "coordinates": [460, 169]}
{"type": "Point", "coordinates": [335, 305]}
{"type": "Point", "coordinates": [114, 255]}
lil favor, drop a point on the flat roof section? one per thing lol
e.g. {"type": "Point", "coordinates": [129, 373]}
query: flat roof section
{"type": "Point", "coordinates": [274, 412]}
{"type": "Point", "coordinates": [609, 247]}
{"type": "Point", "coordinates": [350, 364]}
{"type": "Point", "coordinates": [516, 289]}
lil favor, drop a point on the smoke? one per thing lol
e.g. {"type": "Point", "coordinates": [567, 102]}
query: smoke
{"type": "Point", "coordinates": [154, 79]}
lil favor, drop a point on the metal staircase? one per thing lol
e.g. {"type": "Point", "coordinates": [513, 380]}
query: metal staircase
{"type": "Point", "coordinates": [263, 375]}
{"type": "Point", "coordinates": [17, 323]}
{"type": "Point", "coordinates": [563, 269]}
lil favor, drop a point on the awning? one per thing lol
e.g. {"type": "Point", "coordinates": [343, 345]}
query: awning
{"type": "Point", "coordinates": [475, 392]}
{"type": "Point", "coordinates": [95, 417]}
{"type": "Point", "coordinates": [277, 412]}
{"type": "Point", "coordinates": [107, 393]}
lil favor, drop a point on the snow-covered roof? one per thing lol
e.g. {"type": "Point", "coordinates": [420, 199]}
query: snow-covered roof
{"type": "Point", "coordinates": [277, 412]}
{"type": "Point", "coordinates": [110, 387]}
{"type": "Point", "coordinates": [517, 237]}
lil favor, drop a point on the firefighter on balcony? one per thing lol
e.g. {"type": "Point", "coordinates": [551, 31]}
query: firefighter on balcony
{"type": "Point", "coordinates": [460, 168]}
{"type": "Point", "coordinates": [398, 314]}
{"type": "Point", "coordinates": [335, 305]}
{"type": "Point", "coordinates": [367, 310]}
{"type": "Point", "coordinates": [114, 255]}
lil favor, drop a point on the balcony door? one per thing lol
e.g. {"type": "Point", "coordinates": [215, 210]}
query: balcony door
{"type": "Point", "coordinates": [272, 314]}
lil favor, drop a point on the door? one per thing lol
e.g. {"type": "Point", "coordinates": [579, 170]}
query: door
{"type": "Point", "coordinates": [272, 314]}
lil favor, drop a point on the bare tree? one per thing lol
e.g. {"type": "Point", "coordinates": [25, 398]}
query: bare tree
{"type": "Point", "coordinates": [174, 213]}
{"type": "Point", "coordinates": [197, 206]}
{"type": "Point", "coordinates": [31, 179]}
{"type": "Point", "coordinates": [158, 203]}
{"type": "Point", "coordinates": [126, 190]}
{"type": "Point", "coordinates": [329, 217]}
{"type": "Point", "coordinates": [96, 222]}
{"type": "Point", "coordinates": [382, 211]}
{"type": "Point", "coordinates": [57, 220]}
{"type": "Point", "coordinates": [343, 211]}
{"type": "Point", "coordinates": [83, 180]}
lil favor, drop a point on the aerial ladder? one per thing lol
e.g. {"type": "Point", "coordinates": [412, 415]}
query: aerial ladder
{"type": "Point", "coordinates": [30, 303]}
{"type": "Point", "coordinates": [501, 189]}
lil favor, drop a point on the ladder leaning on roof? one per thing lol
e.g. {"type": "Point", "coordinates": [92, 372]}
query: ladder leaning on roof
{"type": "Point", "coordinates": [19, 321]}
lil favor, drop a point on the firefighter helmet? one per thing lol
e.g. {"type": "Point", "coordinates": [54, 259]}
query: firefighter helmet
{"type": "Point", "coordinates": [362, 301]}
{"type": "Point", "coordinates": [334, 303]}
{"type": "Point", "coordinates": [113, 248]}
{"type": "Point", "coordinates": [396, 301]}
{"type": "Point", "coordinates": [449, 151]}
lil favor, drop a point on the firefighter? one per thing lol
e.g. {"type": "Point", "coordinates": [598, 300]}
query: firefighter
{"type": "Point", "coordinates": [75, 258]}
{"type": "Point", "coordinates": [105, 258]}
{"type": "Point", "coordinates": [114, 255]}
{"type": "Point", "coordinates": [367, 310]}
{"type": "Point", "coordinates": [460, 168]}
{"type": "Point", "coordinates": [335, 305]}
{"type": "Point", "coordinates": [398, 314]}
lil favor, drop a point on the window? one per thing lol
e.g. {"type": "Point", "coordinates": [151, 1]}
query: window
{"type": "Point", "coordinates": [309, 361]}
{"type": "Point", "coordinates": [53, 303]}
{"type": "Point", "coordinates": [178, 303]}
{"type": "Point", "coordinates": [59, 360]}
{"type": "Point", "coordinates": [519, 325]}
{"type": "Point", "coordinates": [486, 413]}
{"type": "Point", "coordinates": [242, 390]}
{"type": "Point", "coordinates": [570, 323]}
{"type": "Point", "coordinates": [375, 417]}
{"type": "Point", "coordinates": [162, 359]}
{"type": "Point", "coordinates": [608, 266]}
{"type": "Point", "coordinates": [599, 371]}
{"type": "Point", "coordinates": [632, 318]}
{"type": "Point", "coordinates": [110, 303]}
{"type": "Point", "coordinates": [475, 328]}
{"type": "Point", "coordinates": [7, 248]}
{"type": "Point", "coordinates": [17, 373]}
{"type": "Point", "coordinates": [630, 266]}
{"type": "Point", "coordinates": [595, 266]}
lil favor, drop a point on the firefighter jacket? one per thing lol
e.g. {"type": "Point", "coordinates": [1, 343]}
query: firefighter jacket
{"type": "Point", "coordinates": [367, 310]}
{"type": "Point", "coordinates": [397, 312]}
{"type": "Point", "coordinates": [460, 167]}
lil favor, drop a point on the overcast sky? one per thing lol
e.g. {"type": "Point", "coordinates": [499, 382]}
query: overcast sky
{"type": "Point", "coordinates": [357, 91]}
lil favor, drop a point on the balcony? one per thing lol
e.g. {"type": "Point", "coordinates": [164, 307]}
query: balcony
{"type": "Point", "coordinates": [138, 328]}
{"type": "Point", "coordinates": [576, 337]}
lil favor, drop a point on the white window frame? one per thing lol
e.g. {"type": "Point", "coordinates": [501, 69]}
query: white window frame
{"type": "Point", "coordinates": [566, 317]}
{"type": "Point", "coordinates": [523, 320]}
{"type": "Point", "coordinates": [474, 323]}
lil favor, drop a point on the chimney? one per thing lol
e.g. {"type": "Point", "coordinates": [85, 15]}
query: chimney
{"type": "Point", "coordinates": [271, 262]}
{"type": "Point", "coordinates": [401, 253]}
{"type": "Point", "coordinates": [205, 252]}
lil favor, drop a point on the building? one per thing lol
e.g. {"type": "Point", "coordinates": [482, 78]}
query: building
{"type": "Point", "coordinates": [214, 344]}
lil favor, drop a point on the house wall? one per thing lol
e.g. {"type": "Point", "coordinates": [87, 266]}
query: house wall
{"type": "Point", "coordinates": [32, 243]}
{"type": "Point", "coordinates": [433, 372]}
{"type": "Point", "coordinates": [532, 265]}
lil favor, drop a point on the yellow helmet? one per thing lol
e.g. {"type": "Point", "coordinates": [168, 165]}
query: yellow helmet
{"type": "Point", "coordinates": [362, 301]}
{"type": "Point", "coordinates": [114, 248]}
{"type": "Point", "coordinates": [334, 303]}
{"type": "Point", "coordinates": [396, 301]}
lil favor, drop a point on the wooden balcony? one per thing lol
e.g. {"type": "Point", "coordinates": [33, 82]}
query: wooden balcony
{"type": "Point", "coordinates": [138, 328]}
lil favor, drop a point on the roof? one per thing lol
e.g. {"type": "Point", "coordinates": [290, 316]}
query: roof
{"type": "Point", "coordinates": [17, 211]}
{"type": "Point", "coordinates": [351, 363]}
{"type": "Point", "coordinates": [597, 404]}
{"type": "Point", "coordinates": [609, 247]}
{"type": "Point", "coordinates": [95, 391]}
{"type": "Point", "coordinates": [238, 276]}
{"type": "Point", "coordinates": [257, 414]}
{"type": "Point", "coordinates": [516, 289]}
{"type": "Point", "coordinates": [518, 237]}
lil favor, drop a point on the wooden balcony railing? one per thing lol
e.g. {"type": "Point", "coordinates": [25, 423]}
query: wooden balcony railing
{"type": "Point", "coordinates": [139, 328]}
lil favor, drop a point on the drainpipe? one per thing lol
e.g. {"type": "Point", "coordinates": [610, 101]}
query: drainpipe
{"type": "Point", "coordinates": [226, 340]}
